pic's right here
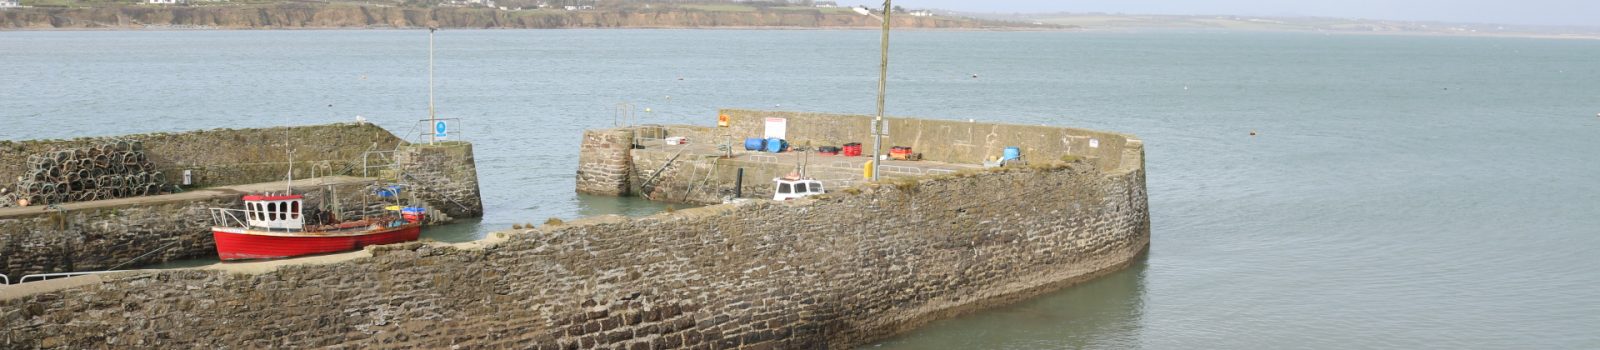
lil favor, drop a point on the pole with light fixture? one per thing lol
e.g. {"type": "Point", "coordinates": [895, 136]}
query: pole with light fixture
{"type": "Point", "coordinates": [432, 136]}
{"type": "Point", "coordinates": [883, 82]}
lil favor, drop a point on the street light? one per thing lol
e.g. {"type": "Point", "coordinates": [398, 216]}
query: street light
{"type": "Point", "coordinates": [432, 136]}
{"type": "Point", "coordinates": [883, 82]}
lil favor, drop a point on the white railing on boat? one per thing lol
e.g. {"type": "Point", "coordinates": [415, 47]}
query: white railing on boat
{"type": "Point", "coordinates": [228, 217]}
{"type": "Point", "coordinates": [46, 276]}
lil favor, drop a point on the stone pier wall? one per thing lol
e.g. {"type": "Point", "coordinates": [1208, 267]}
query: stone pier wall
{"type": "Point", "coordinates": [134, 232]}
{"type": "Point", "coordinates": [605, 162]}
{"type": "Point", "coordinates": [224, 157]}
{"type": "Point", "coordinates": [835, 271]}
{"type": "Point", "coordinates": [443, 175]}
{"type": "Point", "coordinates": [103, 234]}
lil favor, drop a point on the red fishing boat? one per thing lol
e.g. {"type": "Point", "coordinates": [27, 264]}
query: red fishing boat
{"type": "Point", "coordinates": [277, 226]}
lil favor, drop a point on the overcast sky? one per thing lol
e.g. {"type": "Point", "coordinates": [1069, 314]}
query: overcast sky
{"type": "Point", "coordinates": [1537, 12]}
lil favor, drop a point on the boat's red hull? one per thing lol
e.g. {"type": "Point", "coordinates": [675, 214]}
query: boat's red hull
{"type": "Point", "coordinates": [239, 246]}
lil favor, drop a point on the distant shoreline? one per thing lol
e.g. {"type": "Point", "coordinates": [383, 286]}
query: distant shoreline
{"type": "Point", "coordinates": [364, 17]}
{"type": "Point", "coordinates": [1426, 34]}
{"type": "Point", "coordinates": [898, 29]}
{"type": "Point", "coordinates": [348, 16]}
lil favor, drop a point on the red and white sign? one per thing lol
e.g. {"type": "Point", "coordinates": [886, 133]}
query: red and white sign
{"type": "Point", "coordinates": [776, 128]}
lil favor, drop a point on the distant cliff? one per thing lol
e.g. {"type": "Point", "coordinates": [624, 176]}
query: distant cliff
{"type": "Point", "coordinates": [289, 16]}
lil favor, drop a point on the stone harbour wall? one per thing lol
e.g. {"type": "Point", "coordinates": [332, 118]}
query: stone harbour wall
{"type": "Point", "coordinates": [117, 233]}
{"type": "Point", "coordinates": [948, 141]}
{"type": "Point", "coordinates": [223, 157]}
{"type": "Point", "coordinates": [129, 233]}
{"type": "Point", "coordinates": [443, 175]}
{"type": "Point", "coordinates": [605, 162]}
{"type": "Point", "coordinates": [834, 271]}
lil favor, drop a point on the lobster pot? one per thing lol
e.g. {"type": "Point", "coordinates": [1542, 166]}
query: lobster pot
{"type": "Point", "coordinates": [114, 169]}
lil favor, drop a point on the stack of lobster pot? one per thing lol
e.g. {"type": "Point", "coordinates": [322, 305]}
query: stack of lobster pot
{"type": "Point", "coordinates": [114, 169]}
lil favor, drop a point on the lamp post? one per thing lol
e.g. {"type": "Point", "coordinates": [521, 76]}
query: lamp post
{"type": "Point", "coordinates": [432, 136]}
{"type": "Point", "coordinates": [883, 81]}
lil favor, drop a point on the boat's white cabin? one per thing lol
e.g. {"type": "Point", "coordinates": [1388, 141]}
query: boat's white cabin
{"type": "Point", "coordinates": [274, 212]}
{"type": "Point", "coordinates": [796, 188]}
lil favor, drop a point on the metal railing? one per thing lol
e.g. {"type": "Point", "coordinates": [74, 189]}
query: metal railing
{"type": "Point", "coordinates": [5, 280]}
{"type": "Point", "coordinates": [46, 276]}
{"type": "Point", "coordinates": [940, 171]}
{"type": "Point", "coordinates": [228, 217]}
{"type": "Point", "coordinates": [623, 115]}
{"type": "Point", "coordinates": [423, 130]}
{"type": "Point", "coordinates": [386, 158]}
{"type": "Point", "coordinates": [896, 169]}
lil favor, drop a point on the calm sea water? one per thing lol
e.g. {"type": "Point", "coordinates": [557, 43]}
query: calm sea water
{"type": "Point", "coordinates": [1403, 192]}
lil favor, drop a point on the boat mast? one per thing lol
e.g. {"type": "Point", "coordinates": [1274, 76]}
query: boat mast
{"type": "Point", "coordinates": [289, 187]}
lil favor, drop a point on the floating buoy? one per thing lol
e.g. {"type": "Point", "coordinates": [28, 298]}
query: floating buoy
{"type": "Point", "coordinates": [974, 75]}
{"type": "Point", "coordinates": [647, 109]}
{"type": "Point", "coordinates": [1252, 133]}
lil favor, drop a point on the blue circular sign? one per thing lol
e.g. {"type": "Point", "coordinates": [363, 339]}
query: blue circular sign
{"type": "Point", "coordinates": [439, 127]}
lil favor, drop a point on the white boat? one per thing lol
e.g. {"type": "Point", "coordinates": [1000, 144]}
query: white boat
{"type": "Point", "coordinates": [796, 187]}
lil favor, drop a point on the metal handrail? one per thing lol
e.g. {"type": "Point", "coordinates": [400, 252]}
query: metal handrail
{"type": "Point", "coordinates": [46, 276]}
{"type": "Point", "coordinates": [456, 129]}
{"type": "Point", "coordinates": [623, 115]}
{"type": "Point", "coordinates": [223, 217]}
{"type": "Point", "coordinates": [941, 171]}
{"type": "Point", "coordinates": [5, 280]}
{"type": "Point", "coordinates": [900, 169]}
{"type": "Point", "coordinates": [366, 163]}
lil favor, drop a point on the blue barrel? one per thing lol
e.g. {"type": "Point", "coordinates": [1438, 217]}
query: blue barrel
{"type": "Point", "coordinates": [1012, 153]}
{"type": "Point", "coordinates": [777, 145]}
{"type": "Point", "coordinates": [754, 144]}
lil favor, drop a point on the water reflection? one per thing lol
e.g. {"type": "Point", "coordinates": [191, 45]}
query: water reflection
{"type": "Point", "coordinates": [461, 230]}
{"type": "Point", "coordinates": [1103, 313]}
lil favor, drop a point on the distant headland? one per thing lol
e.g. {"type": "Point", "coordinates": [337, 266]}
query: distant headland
{"type": "Point", "coordinates": [509, 14]}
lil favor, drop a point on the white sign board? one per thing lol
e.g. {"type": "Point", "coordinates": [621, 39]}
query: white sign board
{"type": "Point", "coordinates": [1094, 143]}
{"type": "Point", "coordinates": [777, 128]}
{"type": "Point", "coordinates": [440, 129]}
